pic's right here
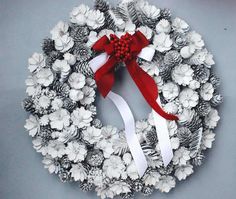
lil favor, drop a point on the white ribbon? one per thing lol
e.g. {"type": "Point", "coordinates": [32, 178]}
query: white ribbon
{"type": "Point", "coordinates": [147, 53]}
{"type": "Point", "coordinates": [131, 137]}
{"type": "Point", "coordinates": [163, 136]}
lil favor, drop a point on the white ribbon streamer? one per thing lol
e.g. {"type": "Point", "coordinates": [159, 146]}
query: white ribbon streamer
{"type": "Point", "coordinates": [147, 53]}
{"type": "Point", "coordinates": [132, 139]}
{"type": "Point", "coordinates": [163, 136]}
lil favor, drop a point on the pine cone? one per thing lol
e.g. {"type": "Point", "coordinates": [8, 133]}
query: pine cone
{"type": "Point", "coordinates": [65, 163]}
{"type": "Point", "coordinates": [150, 152]}
{"type": "Point", "coordinates": [163, 100]}
{"type": "Point", "coordinates": [109, 21]}
{"type": "Point", "coordinates": [147, 190]}
{"type": "Point", "coordinates": [137, 185]}
{"type": "Point", "coordinates": [147, 21]}
{"type": "Point", "coordinates": [172, 58]}
{"type": "Point", "coordinates": [215, 81]}
{"type": "Point", "coordinates": [151, 137]}
{"type": "Point", "coordinates": [82, 52]}
{"type": "Point", "coordinates": [69, 105]}
{"type": "Point", "coordinates": [179, 40]}
{"type": "Point", "coordinates": [50, 93]}
{"type": "Point", "coordinates": [62, 89]}
{"type": "Point", "coordinates": [97, 123]}
{"type": "Point", "coordinates": [166, 170]}
{"type": "Point", "coordinates": [165, 72]}
{"type": "Point", "coordinates": [28, 105]}
{"type": "Point", "coordinates": [134, 13]}
{"type": "Point", "coordinates": [64, 176]}
{"type": "Point", "coordinates": [79, 33]}
{"type": "Point", "coordinates": [197, 161]}
{"type": "Point", "coordinates": [184, 135]}
{"type": "Point", "coordinates": [93, 173]}
{"type": "Point", "coordinates": [129, 195]}
{"type": "Point", "coordinates": [52, 57]}
{"type": "Point", "coordinates": [120, 12]}
{"type": "Point", "coordinates": [201, 73]}
{"type": "Point", "coordinates": [85, 186]}
{"type": "Point", "coordinates": [195, 123]}
{"type": "Point", "coordinates": [92, 108]}
{"type": "Point", "coordinates": [48, 46]}
{"type": "Point", "coordinates": [45, 132]}
{"type": "Point", "coordinates": [83, 68]}
{"type": "Point", "coordinates": [95, 158]}
{"type": "Point", "coordinates": [216, 100]}
{"type": "Point", "coordinates": [203, 108]}
{"type": "Point", "coordinates": [165, 13]}
{"type": "Point", "coordinates": [101, 5]}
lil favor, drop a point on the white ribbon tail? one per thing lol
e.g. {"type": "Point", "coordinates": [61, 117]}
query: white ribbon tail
{"type": "Point", "coordinates": [132, 139]}
{"type": "Point", "coordinates": [163, 137]}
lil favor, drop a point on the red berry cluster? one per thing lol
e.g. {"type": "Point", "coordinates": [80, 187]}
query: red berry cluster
{"type": "Point", "coordinates": [121, 46]}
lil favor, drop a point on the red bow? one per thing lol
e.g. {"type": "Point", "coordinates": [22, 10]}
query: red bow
{"type": "Point", "coordinates": [126, 49]}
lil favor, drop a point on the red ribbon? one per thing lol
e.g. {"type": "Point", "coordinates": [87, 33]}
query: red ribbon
{"type": "Point", "coordinates": [118, 51]}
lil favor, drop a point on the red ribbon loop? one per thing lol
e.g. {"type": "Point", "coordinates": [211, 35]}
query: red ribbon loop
{"type": "Point", "coordinates": [126, 49]}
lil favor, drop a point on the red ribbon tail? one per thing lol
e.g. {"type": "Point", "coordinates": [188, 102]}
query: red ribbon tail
{"type": "Point", "coordinates": [148, 88]}
{"type": "Point", "coordinates": [105, 77]}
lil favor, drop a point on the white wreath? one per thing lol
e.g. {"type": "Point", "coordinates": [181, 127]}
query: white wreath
{"type": "Point", "coordinates": [61, 95]}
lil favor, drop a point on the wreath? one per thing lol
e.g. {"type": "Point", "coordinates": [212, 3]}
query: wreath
{"type": "Point", "coordinates": [166, 59]}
